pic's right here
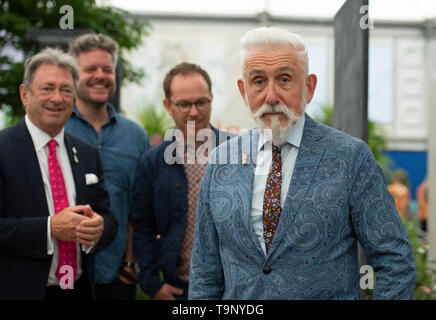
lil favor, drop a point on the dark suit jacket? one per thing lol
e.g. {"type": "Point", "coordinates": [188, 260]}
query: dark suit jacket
{"type": "Point", "coordinates": [160, 203]}
{"type": "Point", "coordinates": [24, 263]}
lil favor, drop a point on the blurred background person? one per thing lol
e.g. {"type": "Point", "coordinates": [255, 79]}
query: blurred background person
{"type": "Point", "coordinates": [422, 199]}
{"type": "Point", "coordinates": [401, 193]}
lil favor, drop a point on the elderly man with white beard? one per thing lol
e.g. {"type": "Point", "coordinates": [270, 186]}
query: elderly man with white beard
{"type": "Point", "coordinates": [283, 222]}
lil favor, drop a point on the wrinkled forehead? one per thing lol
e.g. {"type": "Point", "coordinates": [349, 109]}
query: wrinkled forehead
{"type": "Point", "coordinates": [48, 73]}
{"type": "Point", "coordinates": [269, 57]}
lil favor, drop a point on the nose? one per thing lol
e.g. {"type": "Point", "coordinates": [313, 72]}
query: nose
{"type": "Point", "coordinates": [272, 97]}
{"type": "Point", "coordinates": [194, 111]}
{"type": "Point", "coordinates": [99, 73]}
{"type": "Point", "coordinates": [56, 97]}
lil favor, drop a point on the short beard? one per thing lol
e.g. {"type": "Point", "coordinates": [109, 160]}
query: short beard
{"type": "Point", "coordinates": [85, 97]}
{"type": "Point", "coordinates": [276, 132]}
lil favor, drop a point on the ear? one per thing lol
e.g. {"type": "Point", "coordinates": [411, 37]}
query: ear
{"type": "Point", "coordinates": [310, 86]}
{"type": "Point", "coordinates": [241, 88]}
{"type": "Point", "coordinates": [167, 106]}
{"type": "Point", "coordinates": [24, 94]}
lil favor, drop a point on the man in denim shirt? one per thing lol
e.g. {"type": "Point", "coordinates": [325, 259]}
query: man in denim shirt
{"type": "Point", "coordinates": [121, 143]}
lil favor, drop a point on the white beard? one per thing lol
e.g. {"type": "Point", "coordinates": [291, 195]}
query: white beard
{"type": "Point", "coordinates": [276, 132]}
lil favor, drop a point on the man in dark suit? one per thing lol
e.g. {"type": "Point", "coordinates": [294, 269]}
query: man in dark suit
{"type": "Point", "coordinates": [54, 209]}
{"type": "Point", "coordinates": [168, 182]}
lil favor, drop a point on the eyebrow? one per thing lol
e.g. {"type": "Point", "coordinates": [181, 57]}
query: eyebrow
{"type": "Point", "coordinates": [52, 84]}
{"type": "Point", "coordinates": [283, 69]}
{"type": "Point", "coordinates": [279, 70]}
{"type": "Point", "coordinates": [46, 84]}
{"type": "Point", "coordinates": [256, 72]}
{"type": "Point", "coordinates": [96, 66]}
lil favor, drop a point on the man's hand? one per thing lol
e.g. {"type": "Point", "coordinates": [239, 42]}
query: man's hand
{"type": "Point", "coordinates": [128, 275]}
{"type": "Point", "coordinates": [63, 225]}
{"type": "Point", "coordinates": [167, 292]}
{"type": "Point", "coordinates": [89, 231]}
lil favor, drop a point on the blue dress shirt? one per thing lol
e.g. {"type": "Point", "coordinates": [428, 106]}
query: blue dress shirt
{"type": "Point", "coordinates": [121, 142]}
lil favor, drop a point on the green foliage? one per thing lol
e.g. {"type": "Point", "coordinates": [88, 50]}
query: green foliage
{"type": "Point", "coordinates": [140, 295]}
{"type": "Point", "coordinates": [17, 16]}
{"type": "Point", "coordinates": [376, 137]}
{"type": "Point", "coordinates": [155, 123]}
{"type": "Point", "coordinates": [326, 115]}
{"type": "Point", "coordinates": [425, 276]}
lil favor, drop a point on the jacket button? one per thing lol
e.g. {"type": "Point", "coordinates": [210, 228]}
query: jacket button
{"type": "Point", "coordinates": [171, 248]}
{"type": "Point", "coordinates": [267, 270]}
{"type": "Point", "coordinates": [178, 186]}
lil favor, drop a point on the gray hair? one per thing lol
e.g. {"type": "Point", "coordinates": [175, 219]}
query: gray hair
{"type": "Point", "coordinates": [267, 36]}
{"type": "Point", "coordinates": [52, 56]}
{"type": "Point", "coordinates": [89, 42]}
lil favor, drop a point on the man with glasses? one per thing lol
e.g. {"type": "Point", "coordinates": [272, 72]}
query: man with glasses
{"type": "Point", "coordinates": [168, 183]}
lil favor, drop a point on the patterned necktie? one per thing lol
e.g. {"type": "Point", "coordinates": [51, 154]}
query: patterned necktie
{"type": "Point", "coordinates": [271, 199]}
{"type": "Point", "coordinates": [67, 249]}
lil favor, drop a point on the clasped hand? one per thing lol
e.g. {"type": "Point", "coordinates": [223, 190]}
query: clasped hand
{"type": "Point", "coordinates": [71, 225]}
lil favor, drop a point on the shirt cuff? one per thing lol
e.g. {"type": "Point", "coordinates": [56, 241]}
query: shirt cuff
{"type": "Point", "coordinates": [88, 249]}
{"type": "Point", "coordinates": [50, 241]}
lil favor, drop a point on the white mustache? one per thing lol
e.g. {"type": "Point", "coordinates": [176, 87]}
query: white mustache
{"type": "Point", "coordinates": [279, 108]}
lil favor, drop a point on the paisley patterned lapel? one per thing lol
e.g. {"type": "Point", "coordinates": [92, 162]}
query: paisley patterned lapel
{"type": "Point", "coordinates": [309, 156]}
{"type": "Point", "coordinates": [247, 155]}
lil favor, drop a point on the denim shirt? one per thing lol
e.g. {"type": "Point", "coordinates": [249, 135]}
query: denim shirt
{"type": "Point", "coordinates": [121, 142]}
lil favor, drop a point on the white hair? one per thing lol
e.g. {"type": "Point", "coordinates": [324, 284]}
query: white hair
{"type": "Point", "coordinates": [268, 36]}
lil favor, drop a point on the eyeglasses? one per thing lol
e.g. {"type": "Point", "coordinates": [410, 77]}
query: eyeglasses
{"type": "Point", "coordinates": [185, 106]}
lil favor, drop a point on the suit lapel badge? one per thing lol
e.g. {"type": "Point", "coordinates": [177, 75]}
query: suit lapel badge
{"type": "Point", "coordinates": [244, 157]}
{"type": "Point", "coordinates": [75, 158]}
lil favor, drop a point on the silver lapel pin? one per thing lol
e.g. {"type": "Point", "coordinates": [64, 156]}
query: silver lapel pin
{"type": "Point", "coordinates": [75, 158]}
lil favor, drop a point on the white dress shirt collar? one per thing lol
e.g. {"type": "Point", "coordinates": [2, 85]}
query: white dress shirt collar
{"type": "Point", "coordinates": [40, 138]}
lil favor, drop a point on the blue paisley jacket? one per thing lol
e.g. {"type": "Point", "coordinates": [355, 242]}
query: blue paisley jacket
{"type": "Point", "coordinates": [336, 199]}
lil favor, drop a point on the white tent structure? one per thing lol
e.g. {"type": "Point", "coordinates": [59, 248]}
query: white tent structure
{"type": "Point", "coordinates": [394, 10]}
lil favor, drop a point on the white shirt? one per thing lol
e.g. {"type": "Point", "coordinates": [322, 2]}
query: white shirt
{"type": "Point", "coordinates": [289, 152]}
{"type": "Point", "coordinates": [40, 141]}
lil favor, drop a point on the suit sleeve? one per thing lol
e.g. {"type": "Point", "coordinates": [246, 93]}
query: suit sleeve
{"type": "Point", "coordinates": [144, 147]}
{"type": "Point", "coordinates": [145, 229]}
{"type": "Point", "coordinates": [380, 230]}
{"type": "Point", "coordinates": [103, 208]}
{"type": "Point", "coordinates": [26, 236]}
{"type": "Point", "coordinates": [206, 280]}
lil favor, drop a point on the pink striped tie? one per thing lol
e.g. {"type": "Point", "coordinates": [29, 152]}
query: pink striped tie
{"type": "Point", "coordinates": [67, 249]}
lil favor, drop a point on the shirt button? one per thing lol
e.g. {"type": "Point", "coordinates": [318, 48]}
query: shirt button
{"type": "Point", "coordinates": [267, 270]}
